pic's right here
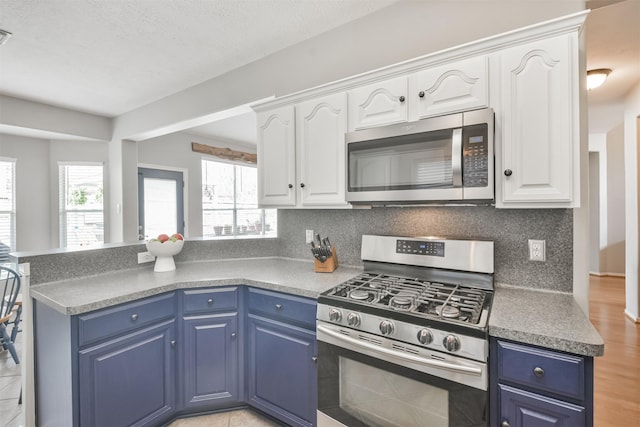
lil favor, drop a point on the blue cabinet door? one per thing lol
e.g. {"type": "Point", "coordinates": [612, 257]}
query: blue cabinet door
{"type": "Point", "coordinates": [282, 371]}
{"type": "Point", "coordinates": [210, 361]}
{"type": "Point", "coordinates": [521, 408]}
{"type": "Point", "coordinates": [130, 380]}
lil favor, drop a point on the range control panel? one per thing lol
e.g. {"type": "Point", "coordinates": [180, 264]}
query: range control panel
{"type": "Point", "coordinates": [417, 247]}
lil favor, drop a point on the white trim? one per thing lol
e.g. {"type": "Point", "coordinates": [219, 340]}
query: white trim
{"type": "Point", "coordinates": [631, 317]}
{"type": "Point", "coordinates": [72, 163]}
{"type": "Point", "coordinates": [607, 274]}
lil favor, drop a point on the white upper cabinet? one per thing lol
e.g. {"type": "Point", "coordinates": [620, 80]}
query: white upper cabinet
{"type": "Point", "coordinates": [276, 157]}
{"type": "Point", "coordinates": [458, 86]}
{"type": "Point", "coordinates": [376, 104]}
{"type": "Point", "coordinates": [537, 124]}
{"type": "Point", "coordinates": [434, 91]}
{"type": "Point", "coordinates": [321, 125]}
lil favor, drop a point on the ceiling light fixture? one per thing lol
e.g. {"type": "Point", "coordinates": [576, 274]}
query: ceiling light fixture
{"type": "Point", "coordinates": [596, 77]}
{"type": "Point", "coordinates": [4, 36]}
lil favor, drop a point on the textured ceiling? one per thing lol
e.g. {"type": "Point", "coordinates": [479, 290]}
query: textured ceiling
{"type": "Point", "coordinates": [109, 57]}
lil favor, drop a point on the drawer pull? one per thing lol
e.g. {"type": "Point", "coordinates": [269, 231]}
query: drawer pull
{"type": "Point", "coordinates": [173, 343]}
{"type": "Point", "coordinates": [505, 423]}
{"type": "Point", "coordinates": [233, 335]}
{"type": "Point", "coordinates": [134, 317]}
{"type": "Point", "coordinates": [210, 301]}
{"type": "Point", "coordinates": [278, 307]}
{"type": "Point", "coordinates": [538, 372]}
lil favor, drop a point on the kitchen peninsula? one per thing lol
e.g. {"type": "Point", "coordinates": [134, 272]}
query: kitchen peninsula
{"type": "Point", "coordinates": [550, 320]}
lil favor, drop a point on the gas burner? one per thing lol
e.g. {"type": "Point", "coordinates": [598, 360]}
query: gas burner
{"type": "Point", "coordinates": [401, 302]}
{"type": "Point", "coordinates": [448, 311]}
{"type": "Point", "coordinates": [361, 295]}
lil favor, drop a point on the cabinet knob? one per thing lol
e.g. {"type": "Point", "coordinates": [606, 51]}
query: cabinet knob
{"type": "Point", "coordinates": [401, 99]}
{"type": "Point", "coordinates": [278, 307]}
{"type": "Point", "coordinates": [233, 335]}
{"type": "Point", "coordinates": [314, 359]}
{"type": "Point", "coordinates": [505, 423]}
{"type": "Point", "coordinates": [134, 317]}
{"type": "Point", "coordinates": [421, 94]}
{"type": "Point", "coordinates": [508, 172]}
{"type": "Point", "coordinates": [302, 185]}
{"type": "Point", "coordinates": [210, 301]}
{"type": "Point", "coordinates": [290, 185]}
{"type": "Point", "coordinates": [538, 372]}
{"type": "Point", "coordinates": [173, 343]}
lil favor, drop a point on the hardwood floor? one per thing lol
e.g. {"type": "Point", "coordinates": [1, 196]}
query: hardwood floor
{"type": "Point", "coordinates": [617, 373]}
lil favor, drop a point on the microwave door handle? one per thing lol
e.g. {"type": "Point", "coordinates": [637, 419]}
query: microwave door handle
{"type": "Point", "coordinates": [456, 157]}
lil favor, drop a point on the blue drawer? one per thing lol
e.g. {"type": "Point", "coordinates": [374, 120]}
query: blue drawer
{"type": "Point", "coordinates": [543, 370]}
{"type": "Point", "coordinates": [97, 325]}
{"type": "Point", "coordinates": [285, 308]}
{"type": "Point", "coordinates": [210, 300]}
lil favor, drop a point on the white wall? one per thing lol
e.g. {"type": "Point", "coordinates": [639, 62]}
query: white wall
{"type": "Point", "coordinates": [37, 226]}
{"type": "Point", "coordinates": [174, 152]}
{"type": "Point", "coordinates": [613, 252]}
{"type": "Point", "coordinates": [33, 198]}
{"type": "Point", "coordinates": [632, 201]}
{"type": "Point", "coordinates": [52, 122]}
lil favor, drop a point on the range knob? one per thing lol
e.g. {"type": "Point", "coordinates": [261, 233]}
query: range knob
{"type": "Point", "coordinates": [353, 319]}
{"type": "Point", "coordinates": [335, 315]}
{"type": "Point", "coordinates": [451, 343]}
{"type": "Point", "coordinates": [425, 336]}
{"type": "Point", "coordinates": [386, 327]}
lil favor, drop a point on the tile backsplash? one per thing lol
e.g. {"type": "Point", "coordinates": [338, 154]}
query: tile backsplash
{"type": "Point", "coordinates": [510, 229]}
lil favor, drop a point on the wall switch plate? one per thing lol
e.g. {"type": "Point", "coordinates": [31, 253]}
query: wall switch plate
{"type": "Point", "coordinates": [145, 257]}
{"type": "Point", "coordinates": [309, 236]}
{"type": "Point", "coordinates": [537, 250]}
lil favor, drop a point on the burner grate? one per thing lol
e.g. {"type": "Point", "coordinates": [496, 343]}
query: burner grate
{"type": "Point", "coordinates": [421, 298]}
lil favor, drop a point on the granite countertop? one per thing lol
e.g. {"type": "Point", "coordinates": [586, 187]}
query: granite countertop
{"type": "Point", "coordinates": [544, 318]}
{"type": "Point", "coordinates": [90, 293]}
{"type": "Point", "coordinates": [547, 319]}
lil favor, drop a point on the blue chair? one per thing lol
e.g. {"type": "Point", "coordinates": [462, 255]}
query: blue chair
{"type": "Point", "coordinates": [10, 288]}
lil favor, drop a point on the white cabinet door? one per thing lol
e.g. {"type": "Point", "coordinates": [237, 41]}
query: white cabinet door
{"type": "Point", "coordinates": [458, 86]}
{"type": "Point", "coordinates": [378, 104]}
{"type": "Point", "coordinates": [321, 125]}
{"type": "Point", "coordinates": [539, 124]}
{"type": "Point", "coordinates": [277, 157]}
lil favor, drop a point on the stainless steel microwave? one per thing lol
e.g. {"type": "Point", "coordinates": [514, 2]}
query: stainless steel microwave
{"type": "Point", "coordinates": [446, 158]}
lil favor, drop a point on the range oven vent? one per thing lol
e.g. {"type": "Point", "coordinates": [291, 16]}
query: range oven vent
{"type": "Point", "coordinates": [370, 340]}
{"type": "Point", "coordinates": [404, 349]}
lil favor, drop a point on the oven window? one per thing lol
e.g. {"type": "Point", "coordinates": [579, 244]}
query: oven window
{"type": "Point", "coordinates": [409, 162]}
{"type": "Point", "coordinates": [380, 398]}
{"type": "Point", "coordinates": [358, 390]}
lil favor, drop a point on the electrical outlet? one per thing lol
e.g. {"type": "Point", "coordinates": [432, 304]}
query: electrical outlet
{"type": "Point", "coordinates": [145, 257]}
{"type": "Point", "coordinates": [309, 236]}
{"type": "Point", "coordinates": [537, 250]}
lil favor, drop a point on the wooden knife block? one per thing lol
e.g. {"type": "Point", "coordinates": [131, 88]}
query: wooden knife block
{"type": "Point", "coordinates": [329, 265]}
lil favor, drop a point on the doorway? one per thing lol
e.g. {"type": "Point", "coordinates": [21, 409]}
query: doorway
{"type": "Point", "coordinates": [160, 203]}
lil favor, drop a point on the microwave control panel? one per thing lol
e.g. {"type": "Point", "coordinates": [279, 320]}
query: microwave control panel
{"type": "Point", "coordinates": [417, 247]}
{"type": "Point", "coordinates": [475, 155]}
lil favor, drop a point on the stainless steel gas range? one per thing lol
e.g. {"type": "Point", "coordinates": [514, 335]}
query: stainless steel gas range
{"type": "Point", "coordinates": [405, 342]}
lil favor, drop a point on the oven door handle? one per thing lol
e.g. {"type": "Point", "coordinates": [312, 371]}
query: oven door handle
{"type": "Point", "coordinates": [399, 355]}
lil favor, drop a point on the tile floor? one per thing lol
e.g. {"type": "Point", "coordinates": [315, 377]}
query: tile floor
{"type": "Point", "coordinates": [10, 411]}
{"type": "Point", "coordinates": [238, 418]}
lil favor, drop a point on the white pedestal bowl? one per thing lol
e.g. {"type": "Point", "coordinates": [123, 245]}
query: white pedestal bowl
{"type": "Point", "coordinates": [164, 253]}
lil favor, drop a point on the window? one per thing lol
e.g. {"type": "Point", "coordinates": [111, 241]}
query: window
{"type": "Point", "coordinates": [8, 202]}
{"type": "Point", "coordinates": [230, 202]}
{"type": "Point", "coordinates": [81, 205]}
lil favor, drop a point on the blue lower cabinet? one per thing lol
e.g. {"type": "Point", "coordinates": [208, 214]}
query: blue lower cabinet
{"type": "Point", "coordinates": [282, 370]}
{"type": "Point", "coordinates": [538, 387]}
{"type": "Point", "coordinates": [129, 380]}
{"type": "Point", "coordinates": [524, 409]}
{"type": "Point", "coordinates": [210, 361]}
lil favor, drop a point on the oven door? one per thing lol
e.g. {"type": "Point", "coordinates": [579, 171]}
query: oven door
{"type": "Point", "coordinates": [362, 382]}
